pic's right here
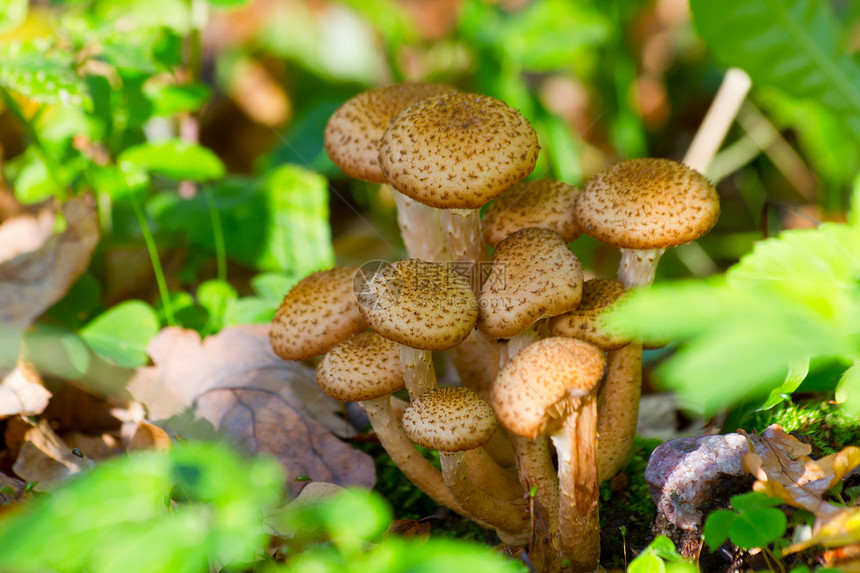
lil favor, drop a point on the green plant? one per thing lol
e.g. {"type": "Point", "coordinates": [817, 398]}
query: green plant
{"type": "Point", "coordinates": [660, 556]}
{"type": "Point", "coordinates": [754, 523]}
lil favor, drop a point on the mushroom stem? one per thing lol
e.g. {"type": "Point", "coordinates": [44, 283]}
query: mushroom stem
{"type": "Point", "coordinates": [519, 341]}
{"type": "Point", "coordinates": [471, 358]}
{"type": "Point", "coordinates": [619, 408]}
{"type": "Point", "coordinates": [579, 524]}
{"type": "Point", "coordinates": [420, 228]}
{"type": "Point", "coordinates": [489, 476]}
{"type": "Point", "coordinates": [462, 230]}
{"type": "Point", "coordinates": [534, 462]}
{"type": "Point", "coordinates": [510, 519]}
{"type": "Point", "coordinates": [418, 374]}
{"type": "Point", "coordinates": [638, 266]}
{"type": "Point", "coordinates": [403, 453]}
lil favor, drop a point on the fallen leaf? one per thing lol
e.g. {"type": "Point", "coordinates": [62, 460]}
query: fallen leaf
{"type": "Point", "coordinates": [411, 528]}
{"type": "Point", "coordinates": [11, 490]}
{"type": "Point", "coordinates": [94, 447]}
{"type": "Point", "coordinates": [32, 281]}
{"type": "Point", "coordinates": [234, 383]}
{"type": "Point", "coordinates": [44, 458]}
{"type": "Point", "coordinates": [783, 469]}
{"type": "Point", "coordinates": [149, 437]}
{"type": "Point", "coordinates": [21, 392]}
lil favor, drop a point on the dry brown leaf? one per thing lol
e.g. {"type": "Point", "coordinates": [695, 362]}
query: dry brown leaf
{"type": "Point", "coordinates": [235, 383]}
{"type": "Point", "coordinates": [32, 281]}
{"type": "Point", "coordinates": [21, 392]}
{"type": "Point", "coordinates": [411, 528]}
{"type": "Point", "coordinates": [783, 469]}
{"type": "Point", "coordinates": [149, 437]}
{"type": "Point", "coordinates": [44, 458]}
{"type": "Point", "coordinates": [94, 447]}
{"type": "Point", "coordinates": [11, 490]}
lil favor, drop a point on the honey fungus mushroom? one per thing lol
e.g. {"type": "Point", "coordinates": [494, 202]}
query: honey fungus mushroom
{"type": "Point", "coordinates": [318, 312]}
{"type": "Point", "coordinates": [454, 420]}
{"type": "Point", "coordinates": [550, 387]}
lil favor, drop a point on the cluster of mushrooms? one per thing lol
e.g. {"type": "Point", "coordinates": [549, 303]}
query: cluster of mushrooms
{"type": "Point", "coordinates": [547, 402]}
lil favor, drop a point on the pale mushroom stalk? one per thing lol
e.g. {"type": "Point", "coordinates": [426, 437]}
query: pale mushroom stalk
{"type": "Point", "coordinates": [638, 266]}
{"type": "Point", "coordinates": [462, 229]}
{"type": "Point", "coordinates": [418, 374]}
{"type": "Point", "coordinates": [519, 341]}
{"type": "Point", "coordinates": [575, 443]}
{"type": "Point", "coordinates": [420, 228]}
{"type": "Point", "coordinates": [618, 397]}
{"type": "Point", "coordinates": [510, 518]}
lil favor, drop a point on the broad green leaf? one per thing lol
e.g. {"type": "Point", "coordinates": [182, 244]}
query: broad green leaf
{"type": "Point", "coordinates": [56, 351]}
{"type": "Point", "coordinates": [274, 286]}
{"type": "Point", "coordinates": [718, 526]}
{"type": "Point", "coordinates": [249, 310]}
{"type": "Point", "coordinates": [216, 296]}
{"type": "Point", "coordinates": [12, 13]}
{"type": "Point", "coordinates": [758, 528]}
{"type": "Point", "coordinates": [797, 371]}
{"type": "Point", "coordinates": [753, 500]}
{"type": "Point", "coordinates": [647, 563]}
{"type": "Point", "coordinates": [280, 225]}
{"type": "Point", "coordinates": [175, 158]}
{"type": "Point", "coordinates": [187, 313]}
{"type": "Point", "coordinates": [140, 14]}
{"type": "Point", "coordinates": [848, 390]}
{"type": "Point", "coordinates": [854, 214]}
{"type": "Point", "coordinates": [78, 304]}
{"type": "Point", "coordinates": [170, 100]}
{"type": "Point", "coordinates": [119, 515]}
{"type": "Point", "coordinates": [120, 335]}
{"type": "Point", "coordinates": [793, 45]}
{"type": "Point", "coordinates": [41, 74]}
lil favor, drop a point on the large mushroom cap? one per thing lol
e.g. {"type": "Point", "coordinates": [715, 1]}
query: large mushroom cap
{"type": "Point", "coordinates": [317, 313]}
{"type": "Point", "coordinates": [528, 387]}
{"type": "Point", "coordinates": [534, 276]}
{"type": "Point", "coordinates": [585, 322]}
{"type": "Point", "coordinates": [353, 131]}
{"type": "Point", "coordinates": [420, 304]}
{"type": "Point", "coordinates": [457, 151]}
{"type": "Point", "coordinates": [544, 203]}
{"type": "Point", "coordinates": [449, 419]}
{"type": "Point", "coordinates": [362, 367]}
{"type": "Point", "coordinates": [647, 204]}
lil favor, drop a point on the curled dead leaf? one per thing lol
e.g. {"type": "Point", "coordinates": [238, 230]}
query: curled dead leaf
{"type": "Point", "coordinates": [21, 392]}
{"type": "Point", "coordinates": [234, 384]}
{"type": "Point", "coordinates": [149, 437]}
{"type": "Point", "coordinates": [44, 458]}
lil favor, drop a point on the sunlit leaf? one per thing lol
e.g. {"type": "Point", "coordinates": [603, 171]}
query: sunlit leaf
{"type": "Point", "coordinates": [41, 75]}
{"type": "Point", "coordinates": [120, 335]}
{"type": "Point", "coordinates": [848, 390]}
{"type": "Point", "coordinates": [798, 369]}
{"type": "Point", "coordinates": [175, 158]}
{"type": "Point", "coordinates": [791, 44]}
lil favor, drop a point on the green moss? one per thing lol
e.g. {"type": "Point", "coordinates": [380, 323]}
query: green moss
{"type": "Point", "coordinates": [822, 424]}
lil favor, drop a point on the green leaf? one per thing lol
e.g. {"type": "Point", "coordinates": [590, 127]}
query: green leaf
{"type": "Point", "coordinates": [120, 335]}
{"type": "Point", "coordinates": [56, 351]}
{"type": "Point", "coordinates": [187, 313]}
{"type": "Point", "coordinates": [176, 158]}
{"type": "Point", "coordinates": [647, 563]}
{"type": "Point", "coordinates": [171, 99]}
{"type": "Point", "coordinates": [797, 371]}
{"type": "Point", "coordinates": [249, 310]}
{"type": "Point", "coordinates": [114, 518]}
{"type": "Point", "coordinates": [793, 45]}
{"type": "Point", "coordinates": [12, 13]}
{"type": "Point", "coordinates": [78, 304]}
{"type": "Point", "coordinates": [274, 286]}
{"type": "Point", "coordinates": [758, 528]}
{"type": "Point", "coordinates": [718, 526]}
{"type": "Point", "coordinates": [848, 390]}
{"type": "Point", "coordinates": [41, 75]}
{"type": "Point", "coordinates": [854, 214]}
{"type": "Point", "coordinates": [753, 500]}
{"type": "Point", "coordinates": [216, 296]}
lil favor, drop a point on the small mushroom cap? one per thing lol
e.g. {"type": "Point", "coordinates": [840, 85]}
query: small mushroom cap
{"type": "Point", "coordinates": [317, 313]}
{"type": "Point", "coordinates": [449, 419]}
{"type": "Point", "coordinates": [534, 276]}
{"type": "Point", "coordinates": [647, 204]}
{"type": "Point", "coordinates": [526, 391]}
{"type": "Point", "coordinates": [457, 151]}
{"type": "Point", "coordinates": [585, 321]}
{"type": "Point", "coordinates": [353, 131]}
{"type": "Point", "coordinates": [362, 367]}
{"type": "Point", "coordinates": [420, 304]}
{"type": "Point", "coordinates": [544, 203]}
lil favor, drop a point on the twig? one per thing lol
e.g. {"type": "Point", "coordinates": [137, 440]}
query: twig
{"type": "Point", "coordinates": [734, 89]}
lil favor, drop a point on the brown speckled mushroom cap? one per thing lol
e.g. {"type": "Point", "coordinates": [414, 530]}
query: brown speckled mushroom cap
{"type": "Point", "coordinates": [534, 276]}
{"type": "Point", "coordinates": [423, 305]}
{"type": "Point", "coordinates": [317, 313]}
{"type": "Point", "coordinates": [362, 367]}
{"type": "Point", "coordinates": [457, 151]}
{"type": "Point", "coordinates": [528, 387]}
{"type": "Point", "coordinates": [449, 419]}
{"type": "Point", "coordinates": [353, 131]}
{"type": "Point", "coordinates": [585, 321]}
{"type": "Point", "coordinates": [544, 203]}
{"type": "Point", "coordinates": [647, 204]}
